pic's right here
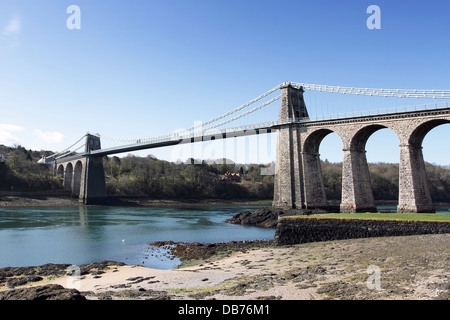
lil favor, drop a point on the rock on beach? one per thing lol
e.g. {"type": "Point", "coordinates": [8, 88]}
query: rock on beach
{"type": "Point", "coordinates": [46, 292]}
{"type": "Point", "coordinates": [268, 217]}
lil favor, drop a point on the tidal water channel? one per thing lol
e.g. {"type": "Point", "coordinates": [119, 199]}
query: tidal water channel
{"type": "Point", "coordinates": [31, 236]}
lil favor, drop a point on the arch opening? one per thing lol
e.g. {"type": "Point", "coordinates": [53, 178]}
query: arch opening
{"type": "Point", "coordinates": [430, 181]}
{"type": "Point", "coordinates": [382, 153]}
{"type": "Point", "coordinates": [417, 136]}
{"type": "Point", "coordinates": [60, 170]}
{"type": "Point", "coordinates": [322, 178]}
{"type": "Point", "coordinates": [357, 184]}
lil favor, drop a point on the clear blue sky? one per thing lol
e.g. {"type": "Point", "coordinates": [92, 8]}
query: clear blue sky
{"type": "Point", "coordinates": [139, 69]}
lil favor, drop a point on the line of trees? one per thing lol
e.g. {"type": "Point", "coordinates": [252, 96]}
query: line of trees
{"type": "Point", "coordinates": [384, 179]}
{"type": "Point", "coordinates": [166, 180]}
{"type": "Point", "coordinates": [21, 172]}
{"type": "Point", "coordinates": [192, 180]}
{"type": "Point", "coordinates": [162, 179]}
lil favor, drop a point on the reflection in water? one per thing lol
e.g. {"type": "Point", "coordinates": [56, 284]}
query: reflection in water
{"type": "Point", "coordinates": [83, 215]}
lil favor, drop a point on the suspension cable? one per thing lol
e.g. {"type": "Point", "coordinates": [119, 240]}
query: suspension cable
{"type": "Point", "coordinates": [68, 149]}
{"type": "Point", "coordinates": [399, 93]}
{"type": "Point", "coordinates": [244, 114]}
{"type": "Point", "coordinates": [211, 120]}
{"type": "Point", "coordinates": [236, 109]}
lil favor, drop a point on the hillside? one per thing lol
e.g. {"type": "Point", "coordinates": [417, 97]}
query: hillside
{"type": "Point", "coordinates": [161, 179]}
{"type": "Point", "coordinates": [19, 171]}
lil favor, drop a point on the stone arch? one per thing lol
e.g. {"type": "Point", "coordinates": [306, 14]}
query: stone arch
{"type": "Point", "coordinates": [359, 139]}
{"type": "Point", "coordinates": [419, 133]}
{"type": "Point", "coordinates": [68, 175]}
{"type": "Point", "coordinates": [414, 191]}
{"type": "Point", "coordinates": [357, 193]}
{"type": "Point", "coordinates": [77, 175]}
{"type": "Point", "coordinates": [314, 189]}
{"type": "Point", "coordinates": [313, 140]}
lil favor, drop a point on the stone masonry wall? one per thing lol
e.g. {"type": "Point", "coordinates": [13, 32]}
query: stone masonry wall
{"type": "Point", "coordinates": [303, 229]}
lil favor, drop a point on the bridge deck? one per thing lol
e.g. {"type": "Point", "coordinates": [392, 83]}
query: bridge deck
{"type": "Point", "coordinates": [267, 127]}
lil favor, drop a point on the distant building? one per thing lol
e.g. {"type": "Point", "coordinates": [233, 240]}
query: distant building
{"type": "Point", "coordinates": [2, 158]}
{"type": "Point", "coordinates": [236, 177]}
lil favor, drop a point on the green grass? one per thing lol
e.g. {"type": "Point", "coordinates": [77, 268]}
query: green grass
{"type": "Point", "coordinates": [386, 216]}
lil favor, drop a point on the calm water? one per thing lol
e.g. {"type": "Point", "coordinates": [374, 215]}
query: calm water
{"type": "Point", "coordinates": [79, 235]}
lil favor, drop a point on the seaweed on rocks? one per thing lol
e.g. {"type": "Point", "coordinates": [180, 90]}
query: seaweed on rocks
{"type": "Point", "coordinates": [200, 251]}
{"type": "Point", "coordinates": [46, 292]}
{"type": "Point", "coordinates": [18, 276]}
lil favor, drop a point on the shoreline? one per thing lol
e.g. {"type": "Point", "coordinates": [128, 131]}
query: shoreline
{"type": "Point", "coordinates": [39, 199]}
{"type": "Point", "coordinates": [319, 270]}
{"type": "Point", "coordinates": [44, 200]}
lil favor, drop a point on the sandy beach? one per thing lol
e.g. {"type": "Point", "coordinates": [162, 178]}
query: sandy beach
{"type": "Point", "coordinates": [391, 268]}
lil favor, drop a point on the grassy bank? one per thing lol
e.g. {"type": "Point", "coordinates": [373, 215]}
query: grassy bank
{"type": "Point", "coordinates": [386, 216]}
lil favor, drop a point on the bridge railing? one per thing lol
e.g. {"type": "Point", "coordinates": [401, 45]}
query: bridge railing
{"type": "Point", "coordinates": [374, 112]}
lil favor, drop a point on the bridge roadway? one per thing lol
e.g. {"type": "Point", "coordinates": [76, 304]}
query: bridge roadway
{"type": "Point", "coordinates": [260, 128]}
{"type": "Point", "coordinates": [175, 139]}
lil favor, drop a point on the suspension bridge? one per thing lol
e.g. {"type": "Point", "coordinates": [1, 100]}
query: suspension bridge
{"type": "Point", "coordinates": [298, 176]}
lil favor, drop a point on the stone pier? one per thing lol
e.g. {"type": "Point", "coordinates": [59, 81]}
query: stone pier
{"type": "Point", "coordinates": [299, 181]}
{"type": "Point", "coordinates": [288, 186]}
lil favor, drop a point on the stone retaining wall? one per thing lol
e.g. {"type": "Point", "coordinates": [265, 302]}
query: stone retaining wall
{"type": "Point", "coordinates": [293, 230]}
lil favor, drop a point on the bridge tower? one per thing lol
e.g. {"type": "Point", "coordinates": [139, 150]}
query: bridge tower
{"type": "Point", "coordinates": [93, 186]}
{"type": "Point", "coordinates": [289, 189]}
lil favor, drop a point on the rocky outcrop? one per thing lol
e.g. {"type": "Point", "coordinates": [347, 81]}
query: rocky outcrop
{"type": "Point", "coordinates": [14, 277]}
{"type": "Point", "coordinates": [198, 251]}
{"type": "Point", "coordinates": [268, 217]}
{"type": "Point", "coordinates": [52, 269]}
{"type": "Point", "coordinates": [264, 217]}
{"type": "Point", "coordinates": [20, 281]}
{"type": "Point", "coordinates": [47, 292]}
{"type": "Point", "coordinates": [49, 269]}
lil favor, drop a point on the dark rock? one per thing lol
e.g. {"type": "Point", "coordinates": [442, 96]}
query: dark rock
{"type": "Point", "coordinates": [121, 286]}
{"type": "Point", "coordinates": [268, 217]}
{"type": "Point", "coordinates": [15, 282]}
{"type": "Point", "coordinates": [153, 281]}
{"type": "Point", "coordinates": [47, 292]}
{"type": "Point", "coordinates": [263, 217]}
{"type": "Point", "coordinates": [97, 267]}
{"type": "Point", "coordinates": [134, 278]}
{"type": "Point", "coordinates": [317, 269]}
{"type": "Point", "coordinates": [45, 270]}
{"type": "Point", "coordinates": [51, 269]}
{"type": "Point", "coordinates": [197, 251]}
{"type": "Point", "coordinates": [135, 294]}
